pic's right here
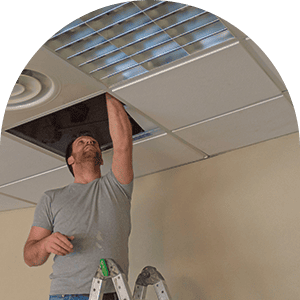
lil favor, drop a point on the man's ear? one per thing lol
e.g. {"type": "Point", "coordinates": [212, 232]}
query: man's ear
{"type": "Point", "coordinates": [71, 160]}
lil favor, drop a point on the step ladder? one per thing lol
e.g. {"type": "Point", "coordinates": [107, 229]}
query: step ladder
{"type": "Point", "coordinates": [109, 269]}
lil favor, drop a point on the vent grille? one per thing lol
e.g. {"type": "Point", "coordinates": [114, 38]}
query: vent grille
{"type": "Point", "coordinates": [122, 41]}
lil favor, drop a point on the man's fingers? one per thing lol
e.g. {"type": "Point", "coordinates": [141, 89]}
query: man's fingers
{"type": "Point", "coordinates": [55, 249]}
{"type": "Point", "coordinates": [64, 242]}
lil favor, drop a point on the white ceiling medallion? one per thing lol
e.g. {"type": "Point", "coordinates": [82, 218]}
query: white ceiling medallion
{"type": "Point", "coordinates": [32, 88]}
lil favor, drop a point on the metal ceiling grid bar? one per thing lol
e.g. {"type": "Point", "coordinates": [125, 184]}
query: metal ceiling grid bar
{"type": "Point", "coordinates": [86, 60]}
{"type": "Point", "coordinates": [127, 74]}
{"type": "Point", "coordinates": [194, 23]}
{"type": "Point", "coordinates": [171, 6]}
{"type": "Point", "coordinates": [183, 15]}
{"type": "Point", "coordinates": [208, 42]}
{"type": "Point", "coordinates": [115, 68]}
{"type": "Point", "coordinates": [69, 27]}
{"type": "Point", "coordinates": [17, 198]}
{"type": "Point", "coordinates": [144, 4]}
{"type": "Point", "coordinates": [70, 37]}
{"type": "Point", "coordinates": [206, 32]}
{"type": "Point", "coordinates": [93, 41]}
{"type": "Point", "coordinates": [134, 36]}
{"type": "Point", "coordinates": [32, 176]}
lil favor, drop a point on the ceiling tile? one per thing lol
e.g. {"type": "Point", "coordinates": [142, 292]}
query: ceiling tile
{"type": "Point", "coordinates": [161, 153]}
{"type": "Point", "coordinates": [265, 59]}
{"type": "Point", "coordinates": [20, 161]}
{"type": "Point", "coordinates": [258, 123]}
{"type": "Point", "coordinates": [9, 203]}
{"type": "Point", "coordinates": [207, 87]}
{"type": "Point", "coordinates": [31, 189]}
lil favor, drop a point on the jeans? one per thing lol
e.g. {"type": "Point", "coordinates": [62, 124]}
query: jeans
{"type": "Point", "coordinates": [111, 296]}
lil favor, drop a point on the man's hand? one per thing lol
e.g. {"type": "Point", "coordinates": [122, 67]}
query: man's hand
{"type": "Point", "coordinates": [58, 244]}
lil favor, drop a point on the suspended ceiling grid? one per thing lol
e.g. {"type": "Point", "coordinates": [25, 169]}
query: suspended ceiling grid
{"type": "Point", "coordinates": [213, 101]}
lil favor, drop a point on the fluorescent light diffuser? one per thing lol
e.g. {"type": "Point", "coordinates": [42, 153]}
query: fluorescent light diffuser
{"type": "Point", "coordinates": [125, 40]}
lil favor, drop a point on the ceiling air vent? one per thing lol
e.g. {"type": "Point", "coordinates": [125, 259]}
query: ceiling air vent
{"type": "Point", "coordinates": [54, 131]}
{"type": "Point", "coordinates": [32, 88]}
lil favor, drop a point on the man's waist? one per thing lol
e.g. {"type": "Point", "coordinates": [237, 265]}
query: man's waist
{"type": "Point", "coordinates": [107, 296]}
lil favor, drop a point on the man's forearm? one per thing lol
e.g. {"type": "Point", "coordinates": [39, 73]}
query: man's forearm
{"type": "Point", "coordinates": [119, 125]}
{"type": "Point", "coordinates": [35, 253]}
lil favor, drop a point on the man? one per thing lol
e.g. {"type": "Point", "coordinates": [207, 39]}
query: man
{"type": "Point", "coordinates": [88, 219]}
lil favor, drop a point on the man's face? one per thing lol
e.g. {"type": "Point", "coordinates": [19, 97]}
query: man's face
{"type": "Point", "coordinates": [86, 148]}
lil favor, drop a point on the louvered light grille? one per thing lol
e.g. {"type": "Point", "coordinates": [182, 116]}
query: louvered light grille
{"type": "Point", "coordinates": [125, 40]}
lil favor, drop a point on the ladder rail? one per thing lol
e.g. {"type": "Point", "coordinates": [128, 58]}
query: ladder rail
{"type": "Point", "coordinates": [108, 269]}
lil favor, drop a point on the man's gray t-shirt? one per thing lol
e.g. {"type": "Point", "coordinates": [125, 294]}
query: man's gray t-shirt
{"type": "Point", "coordinates": [97, 214]}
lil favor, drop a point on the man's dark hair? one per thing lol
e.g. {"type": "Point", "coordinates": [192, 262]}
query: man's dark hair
{"type": "Point", "coordinates": [70, 146]}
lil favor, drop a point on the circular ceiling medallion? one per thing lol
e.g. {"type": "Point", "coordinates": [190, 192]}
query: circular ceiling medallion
{"type": "Point", "coordinates": [18, 89]}
{"type": "Point", "coordinates": [32, 88]}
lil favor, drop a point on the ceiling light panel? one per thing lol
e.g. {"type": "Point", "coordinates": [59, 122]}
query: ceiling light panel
{"type": "Point", "coordinates": [128, 39]}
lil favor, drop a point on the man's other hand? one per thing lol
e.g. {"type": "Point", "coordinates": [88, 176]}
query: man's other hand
{"type": "Point", "coordinates": [58, 244]}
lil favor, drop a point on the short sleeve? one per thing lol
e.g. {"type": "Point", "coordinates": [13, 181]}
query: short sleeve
{"type": "Point", "coordinates": [43, 216]}
{"type": "Point", "coordinates": [126, 189]}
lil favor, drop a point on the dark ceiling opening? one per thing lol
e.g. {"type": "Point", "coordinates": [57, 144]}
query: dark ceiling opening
{"type": "Point", "coordinates": [53, 132]}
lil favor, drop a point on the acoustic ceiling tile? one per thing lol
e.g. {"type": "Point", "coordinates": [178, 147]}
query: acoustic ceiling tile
{"type": "Point", "coordinates": [161, 153]}
{"type": "Point", "coordinates": [195, 91]}
{"type": "Point", "coordinates": [20, 161]}
{"type": "Point", "coordinates": [258, 123]}
{"type": "Point", "coordinates": [10, 203]}
{"type": "Point", "coordinates": [32, 189]}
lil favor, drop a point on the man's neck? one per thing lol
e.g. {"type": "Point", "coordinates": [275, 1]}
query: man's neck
{"type": "Point", "coordinates": [86, 173]}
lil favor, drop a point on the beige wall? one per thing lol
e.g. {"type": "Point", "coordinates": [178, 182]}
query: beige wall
{"type": "Point", "coordinates": [224, 228]}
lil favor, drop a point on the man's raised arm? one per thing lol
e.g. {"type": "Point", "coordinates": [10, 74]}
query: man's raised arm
{"type": "Point", "coordinates": [121, 134]}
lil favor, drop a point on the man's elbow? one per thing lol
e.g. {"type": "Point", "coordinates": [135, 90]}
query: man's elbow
{"type": "Point", "coordinates": [27, 261]}
{"type": "Point", "coordinates": [28, 255]}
